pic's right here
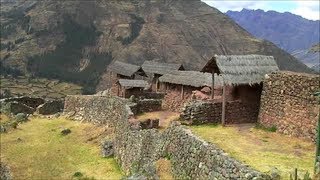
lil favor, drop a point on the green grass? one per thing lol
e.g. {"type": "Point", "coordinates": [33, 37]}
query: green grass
{"type": "Point", "coordinates": [43, 153]}
{"type": "Point", "coordinates": [261, 149]}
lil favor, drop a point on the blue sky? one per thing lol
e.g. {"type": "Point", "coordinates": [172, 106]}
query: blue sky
{"type": "Point", "coordinates": [308, 8]}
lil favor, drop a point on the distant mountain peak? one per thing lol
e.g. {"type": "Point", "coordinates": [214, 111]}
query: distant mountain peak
{"type": "Point", "coordinates": [290, 32]}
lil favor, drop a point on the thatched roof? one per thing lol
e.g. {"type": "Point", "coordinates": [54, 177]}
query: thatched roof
{"type": "Point", "coordinates": [243, 69]}
{"type": "Point", "coordinates": [131, 83]}
{"type": "Point", "coordinates": [160, 68]}
{"type": "Point", "coordinates": [125, 69]}
{"type": "Point", "coordinates": [191, 78]}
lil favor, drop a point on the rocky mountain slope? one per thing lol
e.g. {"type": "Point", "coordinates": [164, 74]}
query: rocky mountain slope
{"type": "Point", "coordinates": [76, 40]}
{"type": "Point", "coordinates": [315, 49]}
{"type": "Point", "coordinates": [290, 32]}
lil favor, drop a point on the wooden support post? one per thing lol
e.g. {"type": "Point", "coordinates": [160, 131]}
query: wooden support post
{"type": "Point", "coordinates": [110, 79]}
{"type": "Point", "coordinates": [157, 82]}
{"type": "Point", "coordinates": [295, 174]}
{"type": "Point", "coordinates": [223, 116]}
{"type": "Point", "coordinates": [182, 92]}
{"type": "Point", "coordinates": [212, 86]}
{"type": "Point", "coordinates": [118, 90]}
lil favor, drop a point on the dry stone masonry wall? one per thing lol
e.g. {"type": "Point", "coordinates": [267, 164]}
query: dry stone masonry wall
{"type": "Point", "coordinates": [202, 112]}
{"type": "Point", "coordinates": [137, 151]}
{"type": "Point", "coordinates": [287, 102]}
{"type": "Point", "coordinates": [193, 158]}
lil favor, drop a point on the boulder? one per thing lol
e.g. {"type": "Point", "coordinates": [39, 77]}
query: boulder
{"type": "Point", "coordinates": [65, 132]}
{"type": "Point", "coordinates": [107, 148]}
{"type": "Point", "coordinates": [50, 107]}
{"type": "Point", "coordinates": [275, 173]}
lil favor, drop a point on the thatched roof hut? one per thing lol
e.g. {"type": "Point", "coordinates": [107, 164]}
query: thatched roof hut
{"type": "Point", "coordinates": [131, 83]}
{"type": "Point", "coordinates": [126, 69]}
{"type": "Point", "coordinates": [191, 78]}
{"type": "Point", "coordinates": [153, 67]}
{"type": "Point", "coordinates": [241, 69]}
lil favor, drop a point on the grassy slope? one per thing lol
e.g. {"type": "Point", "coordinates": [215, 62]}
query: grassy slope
{"type": "Point", "coordinates": [45, 154]}
{"type": "Point", "coordinates": [260, 149]}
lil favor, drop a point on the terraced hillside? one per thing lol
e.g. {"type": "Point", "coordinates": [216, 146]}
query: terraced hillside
{"type": "Point", "coordinates": [75, 41]}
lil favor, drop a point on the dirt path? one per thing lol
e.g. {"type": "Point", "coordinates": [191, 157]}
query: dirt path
{"type": "Point", "coordinates": [165, 117]}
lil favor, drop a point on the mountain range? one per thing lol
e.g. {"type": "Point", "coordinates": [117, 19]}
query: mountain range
{"type": "Point", "coordinates": [290, 32]}
{"type": "Point", "coordinates": [76, 40]}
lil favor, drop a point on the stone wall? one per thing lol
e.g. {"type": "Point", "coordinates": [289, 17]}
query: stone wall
{"type": "Point", "coordinates": [152, 95]}
{"type": "Point", "coordinates": [193, 158]}
{"type": "Point", "coordinates": [173, 101]}
{"type": "Point", "coordinates": [149, 105]}
{"type": "Point", "coordinates": [29, 105]}
{"type": "Point", "coordinates": [50, 107]}
{"type": "Point", "coordinates": [287, 102]}
{"type": "Point", "coordinates": [137, 150]}
{"type": "Point", "coordinates": [94, 109]}
{"type": "Point", "coordinates": [32, 102]}
{"type": "Point", "coordinates": [5, 173]}
{"type": "Point", "coordinates": [202, 112]}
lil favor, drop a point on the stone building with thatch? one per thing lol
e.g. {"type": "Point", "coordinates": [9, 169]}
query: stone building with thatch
{"type": "Point", "coordinates": [243, 76]}
{"type": "Point", "coordinates": [182, 86]}
{"type": "Point", "coordinates": [120, 70]}
{"type": "Point", "coordinates": [128, 87]}
{"type": "Point", "coordinates": [157, 69]}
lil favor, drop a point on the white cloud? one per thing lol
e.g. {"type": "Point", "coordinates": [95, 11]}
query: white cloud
{"type": "Point", "coordinates": [224, 6]}
{"type": "Point", "coordinates": [308, 9]}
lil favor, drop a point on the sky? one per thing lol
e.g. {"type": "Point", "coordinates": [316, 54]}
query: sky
{"type": "Point", "coordinates": [308, 9]}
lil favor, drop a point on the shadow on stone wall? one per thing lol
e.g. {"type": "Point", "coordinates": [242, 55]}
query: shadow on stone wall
{"type": "Point", "coordinates": [137, 151]}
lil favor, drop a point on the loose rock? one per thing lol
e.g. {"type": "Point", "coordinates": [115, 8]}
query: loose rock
{"type": "Point", "coordinates": [65, 131]}
{"type": "Point", "coordinates": [107, 149]}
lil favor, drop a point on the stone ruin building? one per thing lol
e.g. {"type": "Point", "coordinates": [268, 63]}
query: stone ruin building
{"type": "Point", "coordinates": [120, 70]}
{"type": "Point", "coordinates": [157, 69]}
{"type": "Point", "coordinates": [179, 87]}
{"type": "Point", "coordinates": [128, 87]}
{"type": "Point", "coordinates": [235, 88]}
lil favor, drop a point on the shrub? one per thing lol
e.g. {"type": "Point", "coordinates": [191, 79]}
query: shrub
{"type": "Point", "coordinates": [272, 128]}
{"type": "Point", "coordinates": [21, 117]}
{"type": "Point", "coordinates": [77, 174]}
{"type": "Point", "coordinates": [14, 124]}
{"type": "Point", "coordinates": [5, 108]}
{"type": "Point", "coordinates": [307, 176]}
{"type": "Point", "coordinates": [3, 129]}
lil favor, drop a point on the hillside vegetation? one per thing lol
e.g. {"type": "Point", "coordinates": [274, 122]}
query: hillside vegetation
{"type": "Point", "coordinates": [75, 41]}
{"type": "Point", "coordinates": [39, 87]}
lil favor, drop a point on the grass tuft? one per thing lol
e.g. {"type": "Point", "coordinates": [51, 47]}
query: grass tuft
{"type": "Point", "coordinates": [273, 128]}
